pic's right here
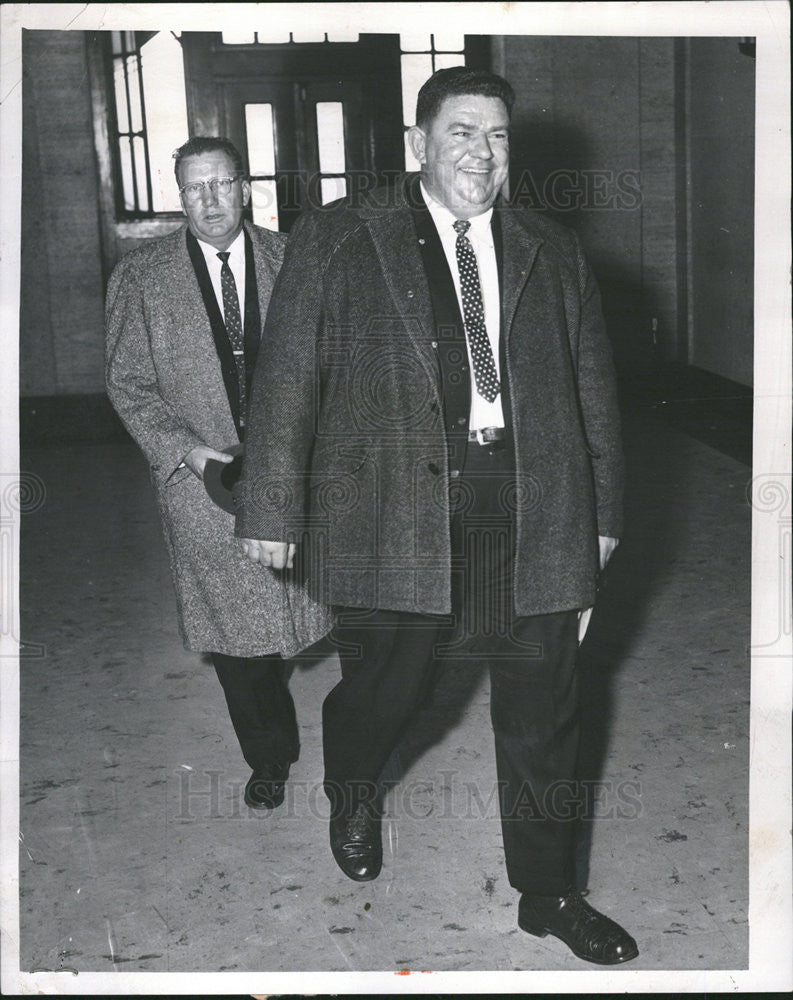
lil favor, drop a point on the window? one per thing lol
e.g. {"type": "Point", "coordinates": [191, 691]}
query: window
{"type": "Point", "coordinates": [148, 109]}
{"type": "Point", "coordinates": [151, 119]}
{"type": "Point", "coordinates": [279, 36]}
{"type": "Point", "coordinates": [261, 160]}
{"type": "Point", "coordinates": [421, 56]}
{"type": "Point", "coordinates": [330, 140]}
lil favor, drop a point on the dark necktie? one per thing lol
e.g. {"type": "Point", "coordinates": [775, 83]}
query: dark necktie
{"type": "Point", "coordinates": [233, 321]}
{"type": "Point", "coordinates": [485, 373]}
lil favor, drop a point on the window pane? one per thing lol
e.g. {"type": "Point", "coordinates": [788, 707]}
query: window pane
{"type": "Point", "coordinates": [414, 41]}
{"type": "Point", "coordinates": [166, 114]}
{"type": "Point", "coordinates": [449, 41]}
{"type": "Point", "coordinates": [121, 96]}
{"type": "Point", "coordinates": [261, 140]}
{"type": "Point", "coordinates": [272, 35]}
{"type": "Point", "coordinates": [445, 59]}
{"type": "Point", "coordinates": [241, 37]}
{"type": "Point", "coordinates": [332, 188]}
{"type": "Point", "coordinates": [125, 158]}
{"type": "Point", "coordinates": [330, 137]}
{"type": "Point", "coordinates": [415, 70]}
{"type": "Point", "coordinates": [136, 120]}
{"type": "Point", "coordinates": [264, 200]}
{"type": "Point", "coordinates": [308, 35]}
{"type": "Point", "coordinates": [343, 35]}
{"type": "Point", "coordinates": [140, 173]}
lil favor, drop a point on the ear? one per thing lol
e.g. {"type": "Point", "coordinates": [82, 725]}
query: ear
{"type": "Point", "coordinates": [417, 141]}
{"type": "Point", "coordinates": [245, 186]}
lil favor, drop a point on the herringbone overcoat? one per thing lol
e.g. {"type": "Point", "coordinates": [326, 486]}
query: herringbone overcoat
{"type": "Point", "coordinates": [163, 377]}
{"type": "Point", "coordinates": [346, 434]}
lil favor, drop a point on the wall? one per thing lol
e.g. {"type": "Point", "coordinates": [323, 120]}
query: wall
{"type": "Point", "coordinates": [592, 112]}
{"type": "Point", "coordinates": [721, 143]}
{"type": "Point", "coordinates": [676, 269]}
{"type": "Point", "coordinates": [61, 321]}
{"type": "Point", "coordinates": [602, 111]}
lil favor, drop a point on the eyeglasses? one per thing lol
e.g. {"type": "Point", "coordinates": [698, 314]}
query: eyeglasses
{"type": "Point", "coordinates": [217, 185]}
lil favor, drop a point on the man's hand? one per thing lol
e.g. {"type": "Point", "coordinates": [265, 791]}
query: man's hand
{"type": "Point", "coordinates": [607, 546]}
{"type": "Point", "coordinates": [197, 458]}
{"type": "Point", "coordinates": [278, 555]}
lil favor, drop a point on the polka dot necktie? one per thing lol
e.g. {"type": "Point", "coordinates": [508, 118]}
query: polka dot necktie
{"type": "Point", "coordinates": [485, 373]}
{"type": "Point", "coordinates": [233, 320]}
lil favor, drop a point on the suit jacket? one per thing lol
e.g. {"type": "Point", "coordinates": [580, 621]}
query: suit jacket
{"type": "Point", "coordinates": [164, 378]}
{"type": "Point", "coordinates": [359, 453]}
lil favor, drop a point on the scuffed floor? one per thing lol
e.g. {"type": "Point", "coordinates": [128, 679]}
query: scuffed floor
{"type": "Point", "coordinates": [138, 853]}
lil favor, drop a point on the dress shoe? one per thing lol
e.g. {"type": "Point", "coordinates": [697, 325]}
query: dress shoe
{"type": "Point", "coordinates": [587, 933]}
{"type": "Point", "coordinates": [265, 788]}
{"type": "Point", "coordinates": [356, 845]}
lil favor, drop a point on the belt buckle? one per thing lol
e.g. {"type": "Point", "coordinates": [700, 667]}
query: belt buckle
{"type": "Point", "coordinates": [489, 435]}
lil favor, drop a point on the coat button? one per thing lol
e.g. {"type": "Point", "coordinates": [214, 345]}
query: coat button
{"type": "Point", "coordinates": [435, 345]}
{"type": "Point", "coordinates": [462, 420]}
{"type": "Point", "coordinates": [410, 293]}
{"type": "Point", "coordinates": [433, 468]}
{"type": "Point", "coordinates": [454, 473]}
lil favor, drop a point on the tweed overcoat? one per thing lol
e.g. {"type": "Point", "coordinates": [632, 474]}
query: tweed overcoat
{"type": "Point", "coordinates": [164, 378]}
{"type": "Point", "coordinates": [346, 434]}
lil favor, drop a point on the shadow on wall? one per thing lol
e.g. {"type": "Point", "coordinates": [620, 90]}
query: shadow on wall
{"type": "Point", "coordinates": [552, 173]}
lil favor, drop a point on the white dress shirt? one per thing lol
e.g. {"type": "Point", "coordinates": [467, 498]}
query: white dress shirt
{"type": "Point", "coordinates": [483, 413]}
{"type": "Point", "coordinates": [237, 265]}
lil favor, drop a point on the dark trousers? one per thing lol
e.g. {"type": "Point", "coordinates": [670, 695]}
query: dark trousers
{"type": "Point", "coordinates": [388, 657]}
{"type": "Point", "coordinates": [261, 707]}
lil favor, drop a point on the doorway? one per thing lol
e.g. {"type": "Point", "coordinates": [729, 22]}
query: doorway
{"type": "Point", "coordinates": [306, 117]}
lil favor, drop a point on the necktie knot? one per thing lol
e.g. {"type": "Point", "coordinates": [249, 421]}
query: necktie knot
{"type": "Point", "coordinates": [461, 226]}
{"type": "Point", "coordinates": [224, 256]}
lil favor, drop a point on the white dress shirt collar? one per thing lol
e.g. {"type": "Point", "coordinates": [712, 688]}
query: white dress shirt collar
{"type": "Point", "coordinates": [237, 265]}
{"type": "Point", "coordinates": [444, 219]}
{"type": "Point", "coordinates": [236, 252]}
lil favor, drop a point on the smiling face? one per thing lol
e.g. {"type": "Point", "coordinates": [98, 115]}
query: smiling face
{"type": "Point", "coordinates": [214, 218]}
{"type": "Point", "coordinates": [464, 153]}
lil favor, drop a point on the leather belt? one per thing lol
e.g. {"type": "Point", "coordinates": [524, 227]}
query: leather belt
{"type": "Point", "coordinates": [492, 436]}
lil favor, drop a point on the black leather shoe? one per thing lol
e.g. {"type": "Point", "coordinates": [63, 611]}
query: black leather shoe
{"type": "Point", "coordinates": [265, 788]}
{"type": "Point", "coordinates": [356, 844]}
{"type": "Point", "coordinates": [587, 933]}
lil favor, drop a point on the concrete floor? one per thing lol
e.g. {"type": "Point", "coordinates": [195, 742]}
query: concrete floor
{"type": "Point", "coordinates": [139, 854]}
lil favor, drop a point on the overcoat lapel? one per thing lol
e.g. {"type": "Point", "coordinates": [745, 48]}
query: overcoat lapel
{"type": "Point", "coordinates": [205, 401]}
{"type": "Point", "coordinates": [519, 251]}
{"type": "Point", "coordinates": [267, 265]}
{"type": "Point", "coordinates": [396, 242]}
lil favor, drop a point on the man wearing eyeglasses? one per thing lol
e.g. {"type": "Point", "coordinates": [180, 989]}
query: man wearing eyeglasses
{"type": "Point", "coordinates": [184, 317]}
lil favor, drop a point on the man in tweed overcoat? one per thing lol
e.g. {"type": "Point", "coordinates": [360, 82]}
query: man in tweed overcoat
{"type": "Point", "coordinates": [439, 476]}
{"type": "Point", "coordinates": [173, 378]}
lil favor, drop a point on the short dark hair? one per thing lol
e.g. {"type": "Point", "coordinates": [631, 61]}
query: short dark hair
{"type": "Point", "coordinates": [455, 81]}
{"type": "Point", "coordinates": [200, 144]}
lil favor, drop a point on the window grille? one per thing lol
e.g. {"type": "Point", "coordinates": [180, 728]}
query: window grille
{"type": "Point", "coordinates": [151, 119]}
{"type": "Point", "coordinates": [133, 146]}
{"type": "Point", "coordinates": [421, 55]}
